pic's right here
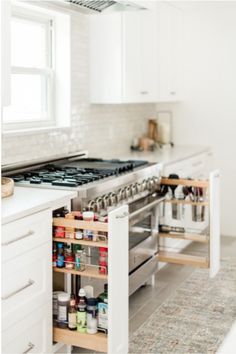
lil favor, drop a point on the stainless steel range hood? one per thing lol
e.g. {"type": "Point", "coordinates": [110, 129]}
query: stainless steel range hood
{"type": "Point", "coordinates": [95, 6]}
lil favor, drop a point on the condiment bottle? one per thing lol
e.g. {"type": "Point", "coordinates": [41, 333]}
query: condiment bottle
{"type": "Point", "coordinates": [69, 231]}
{"type": "Point", "coordinates": [103, 254]}
{"type": "Point", "coordinates": [60, 256]}
{"type": "Point", "coordinates": [81, 312]}
{"type": "Point", "coordinates": [92, 316]}
{"type": "Point", "coordinates": [58, 231]}
{"type": "Point", "coordinates": [62, 315]}
{"type": "Point", "coordinates": [103, 309]}
{"type": "Point", "coordinates": [69, 260]}
{"type": "Point", "coordinates": [72, 325]}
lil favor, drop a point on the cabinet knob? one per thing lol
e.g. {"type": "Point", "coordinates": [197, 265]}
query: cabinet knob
{"type": "Point", "coordinates": [173, 93]}
{"type": "Point", "coordinates": [144, 92]}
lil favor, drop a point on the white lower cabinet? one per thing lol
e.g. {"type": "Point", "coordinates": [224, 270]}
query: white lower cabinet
{"type": "Point", "coordinates": [27, 285]}
{"type": "Point", "coordinates": [33, 334]}
{"type": "Point", "coordinates": [25, 234]}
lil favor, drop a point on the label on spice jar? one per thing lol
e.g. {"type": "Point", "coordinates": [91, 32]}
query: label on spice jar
{"type": "Point", "coordinates": [81, 321]}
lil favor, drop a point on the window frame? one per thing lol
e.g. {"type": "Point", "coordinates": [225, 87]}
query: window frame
{"type": "Point", "coordinates": [48, 71]}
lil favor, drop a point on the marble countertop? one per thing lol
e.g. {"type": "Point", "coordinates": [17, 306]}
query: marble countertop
{"type": "Point", "coordinates": [166, 155]}
{"type": "Point", "coordinates": [26, 201]}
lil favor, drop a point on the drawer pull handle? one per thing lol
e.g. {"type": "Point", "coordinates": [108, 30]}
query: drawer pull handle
{"type": "Point", "coordinates": [8, 296]}
{"type": "Point", "coordinates": [30, 347]}
{"type": "Point", "coordinates": [29, 233]}
{"type": "Point", "coordinates": [122, 215]}
{"type": "Point", "coordinates": [144, 92]}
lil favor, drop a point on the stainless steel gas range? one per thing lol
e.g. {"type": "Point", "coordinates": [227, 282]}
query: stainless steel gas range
{"type": "Point", "coordinates": [101, 186]}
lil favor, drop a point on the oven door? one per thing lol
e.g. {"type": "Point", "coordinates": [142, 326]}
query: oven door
{"type": "Point", "coordinates": [143, 240]}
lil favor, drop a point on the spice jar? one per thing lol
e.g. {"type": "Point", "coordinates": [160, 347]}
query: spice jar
{"type": "Point", "coordinates": [88, 215]}
{"type": "Point", "coordinates": [69, 261]}
{"type": "Point", "coordinates": [92, 316]}
{"type": "Point", "coordinates": [78, 215]}
{"type": "Point", "coordinates": [62, 315]}
{"type": "Point", "coordinates": [103, 256]}
{"type": "Point", "coordinates": [79, 235]}
{"type": "Point", "coordinates": [69, 231]}
{"type": "Point", "coordinates": [58, 231]}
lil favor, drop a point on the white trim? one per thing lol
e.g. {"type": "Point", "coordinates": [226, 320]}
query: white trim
{"type": "Point", "coordinates": [34, 131]}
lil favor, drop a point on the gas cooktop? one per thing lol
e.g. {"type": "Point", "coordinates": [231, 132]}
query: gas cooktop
{"type": "Point", "coordinates": [75, 173]}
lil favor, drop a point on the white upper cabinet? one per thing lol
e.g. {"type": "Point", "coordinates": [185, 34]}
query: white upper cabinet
{"type": "Point", "coordinates": [135, 56]}
{"type": "Point", "coordinates": [140, 54]}
{"type": "Point", "coordinates": [170, 37]}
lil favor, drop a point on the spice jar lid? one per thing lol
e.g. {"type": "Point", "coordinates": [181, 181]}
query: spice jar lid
{"type": "Point", "coordinates": [64, 297]}
{"type": "Point", "coordinates": [88, 215]}
{"type": "Point", "coordinates": [82, 292]}
{"type": "Point", "coordinates": [92, 301]}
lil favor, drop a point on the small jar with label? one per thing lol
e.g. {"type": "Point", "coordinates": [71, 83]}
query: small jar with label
{"type": "Point", "coordinates": [103, 260]}
{"type": "Point", "coordinates": [88, 216]}
{"type": "Point", "coordinates": [69, 231]}
{"type": "Point", "coordinates": [69, 260]}
{"type": "Point", "coordinates": [79, 234]}
{"type": "Point", "coordinates": [62, 315]}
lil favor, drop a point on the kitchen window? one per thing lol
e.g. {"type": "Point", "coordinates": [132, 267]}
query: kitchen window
{"type": "Point", "coordinates": [37, 85]}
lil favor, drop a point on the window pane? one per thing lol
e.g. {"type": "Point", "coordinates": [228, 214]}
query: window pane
{"type": "Point", "coordinates": [28, 43]}
{"type": "Point", "coordinates": [28, 99]}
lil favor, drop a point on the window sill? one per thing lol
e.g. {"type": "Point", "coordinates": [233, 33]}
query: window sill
{"type": "Point", "coordinates": [34, 131]}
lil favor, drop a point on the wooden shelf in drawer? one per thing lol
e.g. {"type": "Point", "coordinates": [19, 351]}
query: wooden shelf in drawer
{"type": "Point", "coordinates": [185, 259]}
{"type": "Point", "coordinates": [185, 236]}
{"type": "Point", "coordinates": [82, 242]}
{"type": "Point", "coordinates": [81, 224]}
{"type": "Point", "coordinates": [97, 342]}
{"type": "Point", "coordinates": [183, 201]}
{"type": "Point", "coordinates": [91, 272]}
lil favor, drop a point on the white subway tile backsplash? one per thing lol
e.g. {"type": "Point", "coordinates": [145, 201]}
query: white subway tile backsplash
{"type": "Point", "coordinates": [93, 127]}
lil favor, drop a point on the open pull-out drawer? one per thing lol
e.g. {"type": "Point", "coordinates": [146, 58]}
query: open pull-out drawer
{"type": "Point", "coordinates": [112, 235]}
{"type": "Point", "coordinates": [200, 204]}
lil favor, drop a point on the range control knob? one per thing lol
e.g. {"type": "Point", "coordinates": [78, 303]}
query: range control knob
{"type": "Point", "coordinates": [134, 189]}
{"type": "Point", "coordinates": [144, 185]}
{"type": "Point", "coordinates": [127, 192]}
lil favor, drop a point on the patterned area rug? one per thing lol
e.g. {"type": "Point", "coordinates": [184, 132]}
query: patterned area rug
{"type": "Point", "coordinates": [195, 319]}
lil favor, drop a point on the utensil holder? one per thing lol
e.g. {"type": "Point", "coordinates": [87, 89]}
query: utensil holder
{"type": "Point", "coordinates": [198, 213]}
{"type": "Point", "coordinates": [176, 211]}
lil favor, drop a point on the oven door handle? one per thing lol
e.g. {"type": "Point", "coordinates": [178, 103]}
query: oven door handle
{"type": "Point", "coordinates": [147, 207]}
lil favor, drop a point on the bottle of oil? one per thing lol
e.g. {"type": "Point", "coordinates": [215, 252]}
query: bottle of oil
{"type": "Point", "coordinates": [103, 310]}
{"type": "Point", "coordinates": [81, 312]}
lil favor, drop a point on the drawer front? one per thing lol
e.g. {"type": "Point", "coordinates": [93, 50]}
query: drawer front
{"type": "Point", "coordinates": [195, 167]}
{"type": "Point", "coordinates": [142, 274]}
{"type": "Point", "coordinates": [27, 284]}
{"type": "Point", "coordinates": [24, 234]}
{"type": "Point", "coordinates": [31, 335]}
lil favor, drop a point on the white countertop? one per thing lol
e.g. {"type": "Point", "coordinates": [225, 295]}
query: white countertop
{"type": "Point", "coordinates": [166, 155]}
{"type": "Point", "coordinates": [26, 201]}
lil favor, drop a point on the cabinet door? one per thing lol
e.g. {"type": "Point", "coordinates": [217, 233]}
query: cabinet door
{"type": "Point", "coordinates": [31, 335]}
{"type": "Point", "coordinates": [170, 53]}
{"type": "Point", "coordinates": [140, 55]}
{"type": "Point", "coordinates": [118, 312]}
{"type": "Point", "coordinates": [105, 46]}
{"type": "Point", "coordinates": [214, 223]}
{"type": "Point", "coordinates": [6, 54]}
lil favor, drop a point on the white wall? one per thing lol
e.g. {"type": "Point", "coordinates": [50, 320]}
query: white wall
{"type": "Point", "coordinates": [207, 116]}
{"type": "Point", "coordinates": [94, 127]}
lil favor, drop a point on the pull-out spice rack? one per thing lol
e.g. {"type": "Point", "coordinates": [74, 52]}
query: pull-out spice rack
{"type": "Point", "coordinates": [116, 341]}
{"type": "Point", "coordinates": [210, 236]}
